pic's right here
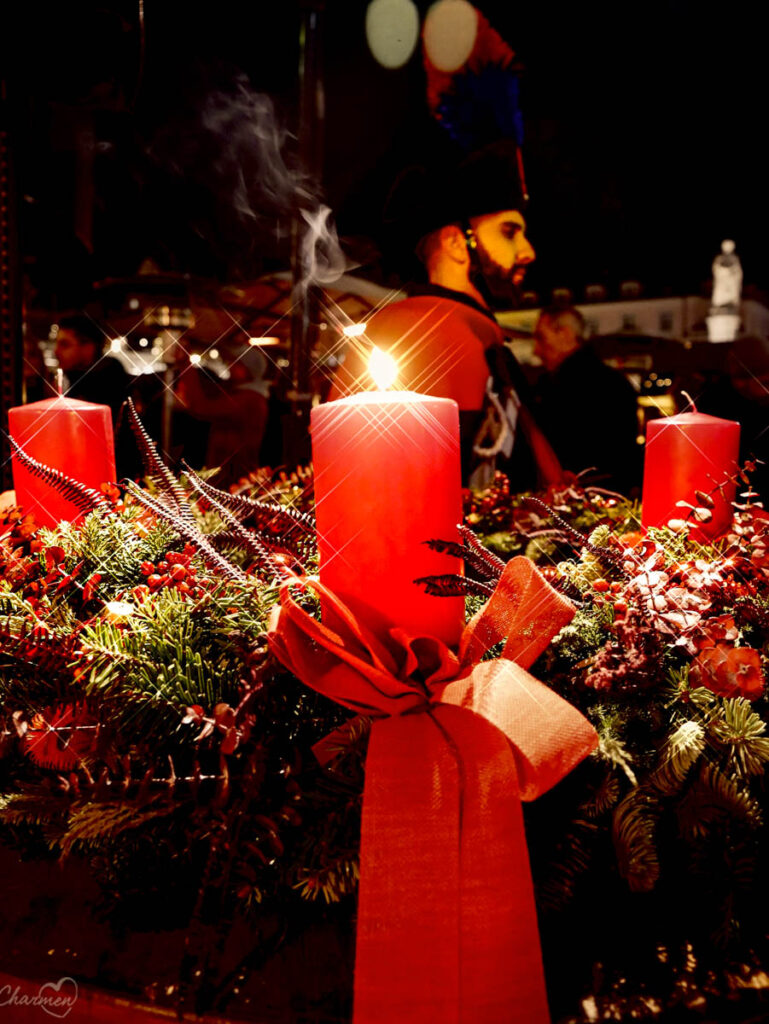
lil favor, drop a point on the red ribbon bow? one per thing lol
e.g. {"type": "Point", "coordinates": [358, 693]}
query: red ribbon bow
{"type": "Point", "coordinates": [447, 926]}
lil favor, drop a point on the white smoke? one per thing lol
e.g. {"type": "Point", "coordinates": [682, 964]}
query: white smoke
{"type": "Point", "coordinates": [323, 261]}
{"type": "Point", "coordinates": [267, 185]}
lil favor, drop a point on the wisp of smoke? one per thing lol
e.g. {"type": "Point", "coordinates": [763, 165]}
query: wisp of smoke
{"type": "Point", "coordinates": [265, 182]}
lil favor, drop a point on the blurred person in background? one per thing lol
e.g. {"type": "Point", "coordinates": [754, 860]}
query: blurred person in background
{"type": "Point", "coordinates": [236, 410]}
{"type": "Point", "coordinates": [587, 409]}
{"type": "Point", "coordinates": [91, 375]}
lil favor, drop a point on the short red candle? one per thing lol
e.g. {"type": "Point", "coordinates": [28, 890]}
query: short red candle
{"type": "Point", "coordinates": [387, 478]}
{"type": "Point", "coordinates": [687, 453]}
{"type": "Point", "coordinates": [69, 435]}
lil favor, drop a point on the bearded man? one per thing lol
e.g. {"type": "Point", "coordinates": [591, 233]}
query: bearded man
{"type": "Point", "coordinates": [444, 336]}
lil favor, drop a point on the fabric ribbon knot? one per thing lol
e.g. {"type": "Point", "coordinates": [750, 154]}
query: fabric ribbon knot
{"type": "Point", "coordinates": [447, 926]}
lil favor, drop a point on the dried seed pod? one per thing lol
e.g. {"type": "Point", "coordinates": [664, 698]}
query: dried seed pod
{"type": "Point", "coordinates": [704, 499]}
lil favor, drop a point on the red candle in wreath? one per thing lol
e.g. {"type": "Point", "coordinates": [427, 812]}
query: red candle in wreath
{"type": "Point", "coordinates": [69, 435]}
{"type": "Point", "coordinates": [387, 479]}
{"type": "Point", "coordinates": [687, 453]}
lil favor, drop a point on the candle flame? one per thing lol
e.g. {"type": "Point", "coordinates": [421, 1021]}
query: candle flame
{"type": "Point", "coordinates": [383, 369]}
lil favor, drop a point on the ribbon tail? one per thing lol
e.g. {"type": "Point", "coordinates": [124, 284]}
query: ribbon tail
{"type": "Point", "coordinates": [447, 927]}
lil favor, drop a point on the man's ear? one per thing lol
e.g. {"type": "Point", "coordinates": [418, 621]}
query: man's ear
{"type": "Point", "coordinates": [453, 244]}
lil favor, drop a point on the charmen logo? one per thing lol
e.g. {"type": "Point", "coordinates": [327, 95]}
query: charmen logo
{"type": "Point", "coordinates": [55, 998]}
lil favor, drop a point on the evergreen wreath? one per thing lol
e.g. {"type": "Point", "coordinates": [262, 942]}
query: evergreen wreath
{"type": "Point", "coordinates": [145, 728]}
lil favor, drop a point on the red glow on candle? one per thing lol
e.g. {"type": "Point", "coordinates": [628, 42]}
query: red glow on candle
{"type": "Point", "coordinates": [687, 453]}
{"type": "Point", "coordinates": [387, 479]}
{"type": "Point", "coordinates": [69, 435]}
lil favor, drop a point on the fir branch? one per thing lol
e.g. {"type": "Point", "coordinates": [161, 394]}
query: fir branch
{"type": "Point", "coordinates": [603, 797]}
{"type": "Point", "coordinates": [715, 799]}
{"type": "Point", "coordinates": [33, 806]}
{"type": "Point", "coordinates": [571, 862]}
{"type": "Point", "coordinates": [453, 585]}
{"type": "Point", "coordinates": [742, 732]}
{"type": "Point", "coordinates": [633, 832]}
{"type": "Point", "coordinates": [97, 823]}
{"type": "Point", "coordinates": [680, 752]}
{"type": "Point", "coordinates": [85, 499]}
{"type": "Point", "coordinates": [37, 646]}
{"type": "Point", "coordinates": [613, 750]}
{"type": "Point", "coordinates": [331, 881]}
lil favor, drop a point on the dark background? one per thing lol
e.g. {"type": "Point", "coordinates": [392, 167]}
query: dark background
{"type": "Point", "coordinates": [644, 137]}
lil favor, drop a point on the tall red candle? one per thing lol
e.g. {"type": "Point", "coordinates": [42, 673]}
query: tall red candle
{"type": "Point", "coordinates": [72, 436]}
{"type": "Point", "coordinates": [687, 453]}
{"type": "Point", "coordinates": [387, 479]}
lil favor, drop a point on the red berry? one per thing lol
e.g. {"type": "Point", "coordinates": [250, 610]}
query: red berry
{"type": "Point", "coordinates": [146, 568]}
{"type": "Point", "coordinates": [620, 607]}
{"type": "Point", "coordinates": [178, 573]}
{"type": "Point", "coordinates": [601, 586]}
{"type": "Point", "coordinates": [615, 587]}
{"type": "Point", "coordinates": [154, 581]}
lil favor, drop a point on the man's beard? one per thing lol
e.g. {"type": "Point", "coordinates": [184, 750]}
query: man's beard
{"type": "Point", "coordinates": [493, 281]}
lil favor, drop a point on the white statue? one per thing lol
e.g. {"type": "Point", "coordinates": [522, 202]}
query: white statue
{"type": "Point", "coordinates": [727, 280]}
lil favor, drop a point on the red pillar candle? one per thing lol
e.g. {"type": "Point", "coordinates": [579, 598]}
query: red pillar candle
{"type": "Point", "coordinates": [687, 453]}
{"type": "Point", "coordinates": [69, 435]}
{"type": "Point", "coordinates": [387, 478]}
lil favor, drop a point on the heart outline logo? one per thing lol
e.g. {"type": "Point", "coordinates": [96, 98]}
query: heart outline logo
{"type": "Point", "coordinates": [57, 998]}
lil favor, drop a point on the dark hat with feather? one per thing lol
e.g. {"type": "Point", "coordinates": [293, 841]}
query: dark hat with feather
{"type": "Point", "coordinates": [476, 167]}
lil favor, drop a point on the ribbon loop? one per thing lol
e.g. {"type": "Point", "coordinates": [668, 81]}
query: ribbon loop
{"type": "Point", "coordinates": [447, 927]}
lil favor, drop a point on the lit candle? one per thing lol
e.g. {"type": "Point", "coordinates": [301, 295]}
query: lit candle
{"type": "Point", "coordinates": [687, 453]}
{"type": "Point", "coordinates": [69, 435]}
{"type": "Point", "coordinates": [387, 479]}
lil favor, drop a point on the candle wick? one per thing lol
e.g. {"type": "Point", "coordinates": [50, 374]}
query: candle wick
{"type": "Point", "coordinates": [690, 400]}
{"type": "Point", "coordinates": [60, 382]}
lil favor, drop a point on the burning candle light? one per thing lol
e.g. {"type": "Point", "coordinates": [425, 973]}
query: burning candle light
{"type": "Point", "coordinates": [687, 453]}
{"type": "Point", "coordinates": [69, 435]}
{"type": "Point", "coordinates": [387, 478]}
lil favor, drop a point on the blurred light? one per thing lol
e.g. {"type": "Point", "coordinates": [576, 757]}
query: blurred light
{"type": "Point", "coordinates": [133, 303]}
{"type": "Point", "coordinates": [214, 353]}
{"type": "Point", "coordinates": [449, 33]}
{"type": "Point", "coordinates": [354, 330]}
{"type": "Point", "coordinates": [195, 358]}
{"type": "Point", "coordinates": [143, 342]}
{"type": "Point", "coordinates": [116, 345]}
{"type": "Point", "coordinates": [392, 31]}
{"type": "Point", "coordinates": [263, 342]}
{"type": "Point", "coordinates": [118, 610]}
